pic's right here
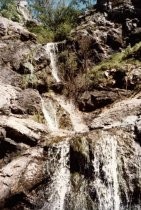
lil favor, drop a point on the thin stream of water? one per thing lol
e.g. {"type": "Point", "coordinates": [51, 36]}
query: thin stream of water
{"type": "Point", "coordinates": [51, 50]}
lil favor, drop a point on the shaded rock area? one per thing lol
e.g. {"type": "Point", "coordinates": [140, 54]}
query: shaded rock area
{"type": "Point", "coordinates": [82, 152]}
{"type": "Point", "coordinates": [91, 101]}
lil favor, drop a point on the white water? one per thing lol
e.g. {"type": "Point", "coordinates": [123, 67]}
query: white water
{"type": "Point", "coordinates": [105, 161]}
{"type": "Point", "coordinates": [59, 185]}
{"type": "Point", "coordinates": [68, 106]}
{"type": "Point", "coordinates": [50, 115]}
{"type": "Point", "coordinates": [105, 153]}
{"type": "Point", "coordinates": [75, 115]}
{"type": "Point", "coordinates": [51, 50]}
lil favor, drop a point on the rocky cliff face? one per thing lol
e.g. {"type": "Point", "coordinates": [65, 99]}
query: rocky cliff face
{"type": "Point", "coordinates": [70, 126]}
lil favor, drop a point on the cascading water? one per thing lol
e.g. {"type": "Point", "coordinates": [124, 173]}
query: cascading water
{"type": "Point", "coordinates": [75, 115]}
{"type": "Point", "coordinates": [105, 161]}
{"type": "Point", "coordinates": [96, 170]}
{"type": "Point", "coordinates": [51, 50]}
{"type": "Point", "coordinates": [60, 178]}
{"type": "Point", "coordinates": [59, 184]}
{"type": "Point", "coordinates": [50, 115]}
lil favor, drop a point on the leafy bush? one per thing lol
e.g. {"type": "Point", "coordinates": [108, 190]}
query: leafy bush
{"type": "Point", "coordinates": [9, 10]}
{"type": "Point", "coordinates": [43, 34]}
{"type": "Point", "coordinates": [57, 19]}
{"type": "Point", "coordinates": [62, 32]}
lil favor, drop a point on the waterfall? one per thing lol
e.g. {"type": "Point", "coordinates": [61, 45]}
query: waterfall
{"type": "Point", "coordinates": [59, 184]}
{"type": "Point", "coordinates": [75, 115]}
{"type": "Point", "coordinates": [105, 165]}
{"type": "Point", "coordinates": [68, 106]}
{"type": "Point", "coordinates": [50, 115]}
{"type": "Point", "coordinates": [51, 50]}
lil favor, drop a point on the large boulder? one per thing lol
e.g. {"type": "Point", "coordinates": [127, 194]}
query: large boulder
{"type": "Point", "coordinates": [21, 174]}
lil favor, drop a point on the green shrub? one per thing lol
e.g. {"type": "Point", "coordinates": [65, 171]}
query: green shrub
{"type": "Point", "coordinates": [118, 59]}
{"type": "Point", "coordinates": [43, 34]}
{"type": "Point", "coordinates": [62, 32]}
{"type": "Point", "coordinates": [68, 64]}
{"type": "Point", "coordinates": [10, 11]}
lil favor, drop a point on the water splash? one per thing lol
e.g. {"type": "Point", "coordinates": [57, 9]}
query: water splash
{"type": "Point", "coordinates": [59, 185]}
{"type": "Point", "coordinates": [75, 115]}
{"type": "Point", "coordinates": [50, 114]}
{"type": "Point", "coordinates": [51, 50]}
{"type": "Point", "coordinates": [105, 165]}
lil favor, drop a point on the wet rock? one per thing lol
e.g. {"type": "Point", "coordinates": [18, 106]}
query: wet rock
{"type": "Point", "coordinates": [99, 162]}
{"type": "Point", "coordinates": [57, 87]}
{"type": "Point", "coordinates": [138, 131]}
{"type": "Point", "coordinates": [88, 170]}
{"type": "Point", "coordinates": [41, 59]}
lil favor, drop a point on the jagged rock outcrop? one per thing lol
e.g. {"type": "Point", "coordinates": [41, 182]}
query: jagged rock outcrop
{"type": "Point", "coordinates": [100, 33]}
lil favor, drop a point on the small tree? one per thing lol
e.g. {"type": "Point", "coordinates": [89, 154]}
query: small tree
{"type": "Point", "coordinates": [57, 17]}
